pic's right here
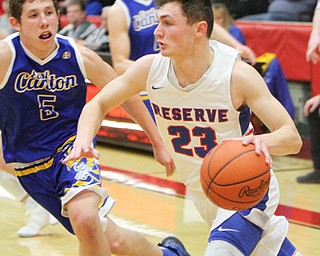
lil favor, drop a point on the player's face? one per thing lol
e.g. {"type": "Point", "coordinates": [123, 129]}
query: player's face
{"type": "Point", "coordinates": [38, 25]}
{"type": "Point", "coordinates": [175, 36]}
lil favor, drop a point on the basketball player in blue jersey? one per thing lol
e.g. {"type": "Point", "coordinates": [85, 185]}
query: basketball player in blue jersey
{"type": "Point", "coordinates": [131, 25]}
{"type": "Point", "coordinates": [200, 94]}
{"type": "Point", "coordinates": [42, 93]}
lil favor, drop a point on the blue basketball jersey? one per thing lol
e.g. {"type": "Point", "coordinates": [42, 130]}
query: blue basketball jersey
{"type": "Point", "coordinates": [142, 21]}
{"type": "Point", "coordinates": [40, 100]}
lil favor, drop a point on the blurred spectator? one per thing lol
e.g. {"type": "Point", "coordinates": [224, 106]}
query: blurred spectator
{"type": "Point", "coordinates": [312, 112]}
{"type": "Point", "coordinates": [313, 51]}
{"type": "Point", "coordinates": [286, 10]}
{"type": "Point", "coordinates": [78, 27]}
{"type": "Point", "coordinates": [240, 8]}
{"type": "Point", "coordinates": [267, 64]}
{"type": "Point", "coordinates": [93, 7]}
{"type": "Point", "coordinates": [312, 106]}
{"type": "Point", "coordinates": [223, 17]}
{"type": "Point", "coordinates": [98, 40]}
{"type": "Point", "coordinates": [62, 7]}
{"type": "Point", "coordinates": [5, 27]}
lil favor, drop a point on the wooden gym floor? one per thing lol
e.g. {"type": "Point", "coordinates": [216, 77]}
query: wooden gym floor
{"type": "Point", "coordinates": [149, 203]}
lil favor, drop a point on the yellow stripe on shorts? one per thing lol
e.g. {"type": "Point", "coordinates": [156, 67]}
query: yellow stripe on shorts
{"type": "Point", "coordinates": [34, 169]}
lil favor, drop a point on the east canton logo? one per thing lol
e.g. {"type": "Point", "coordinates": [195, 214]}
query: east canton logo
{"type": "Point", "coordinates": [35, 81]}
{"type": "Point", "coordinates": [66, 55]}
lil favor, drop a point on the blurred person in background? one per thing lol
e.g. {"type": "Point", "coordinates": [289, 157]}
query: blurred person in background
{"type": "Point", "coordinates": [5, 27]}
{"type": "Point", "coordinates": [240, 8]}
{"type": "Point", "coordinates": [311, 107]}
{"type": "Point", "coordinates": [286, 10]}
{"type": "Point", "coordinates": [268, 66]}
{"type": "Point", "coordinates": [98, 40]}
{"type": "Point", "coordinates": [79, 27]}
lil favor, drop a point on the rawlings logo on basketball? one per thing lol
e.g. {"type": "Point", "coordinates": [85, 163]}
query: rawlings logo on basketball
{"type": "Point", "coordinates": [255, 192]}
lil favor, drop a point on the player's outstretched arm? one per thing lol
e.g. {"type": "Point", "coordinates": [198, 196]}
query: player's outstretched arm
{"type": "Point", "coordinates": [122, 90]}
{"type": "Point", "coordinates": [136, 77]}
{"type": "Point", "coordinates": [136, 109]}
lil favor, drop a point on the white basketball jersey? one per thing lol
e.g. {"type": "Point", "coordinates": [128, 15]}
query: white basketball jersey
{"type": "Point", "coordinates": [194, 119]}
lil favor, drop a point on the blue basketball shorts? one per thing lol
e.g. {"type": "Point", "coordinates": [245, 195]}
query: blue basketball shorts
{"type": "Point", "coordinates": [53, 184]}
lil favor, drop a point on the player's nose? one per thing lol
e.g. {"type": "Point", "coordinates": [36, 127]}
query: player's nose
{"type": "Point", "coordinates": [158, 31]}
{"type": "Point", "coordinates": [43, 20]}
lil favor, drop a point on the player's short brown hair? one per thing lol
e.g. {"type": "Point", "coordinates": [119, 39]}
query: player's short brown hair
{"type": "Point", "coordinates": [194, 10]}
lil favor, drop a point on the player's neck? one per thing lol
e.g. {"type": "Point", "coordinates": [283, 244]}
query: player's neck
{"type": "Point", "coordinates": [42, 51]}
{"type": "Point", "coordinates": [192, 68]}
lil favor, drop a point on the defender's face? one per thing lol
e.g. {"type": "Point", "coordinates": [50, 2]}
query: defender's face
{"type": "Point", "coordinates": [39, 21]}
{"type": "Point", "coordinates": [175, 35]}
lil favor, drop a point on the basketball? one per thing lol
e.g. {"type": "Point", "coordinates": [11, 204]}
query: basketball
{"type": "Point", "coordinates": [233, 176]}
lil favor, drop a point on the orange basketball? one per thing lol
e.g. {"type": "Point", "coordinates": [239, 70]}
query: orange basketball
{"type": "Point", "coordinates": [233, 176]}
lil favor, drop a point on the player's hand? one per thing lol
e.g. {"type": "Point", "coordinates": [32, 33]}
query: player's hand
{"type": "Point", "coordinates": [79, 151]}
{"type": "Point", "coordinates": [313, 48]}
{"type": "Point", "coordinates": [162, 156]}
{"type": "Point", "coordinates": [311, 104]}
{"type": "Point", "coordinates": [247, 53]}
{"type": "Point", "coordinates": [260, 146]}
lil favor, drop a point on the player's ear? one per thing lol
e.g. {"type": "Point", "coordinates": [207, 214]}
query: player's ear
{"type": "Point", "coordinates": [15, 23]}
{"type": "Point", "coordinates": [202, 27]}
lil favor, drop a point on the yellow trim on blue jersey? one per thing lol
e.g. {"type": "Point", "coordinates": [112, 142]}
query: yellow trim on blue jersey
{"type": "Point", "coordinates": [66, 142]}
{"type": "Point", "coordinates": [42, 166]}
{"type": "Point", "coordinates": [34, 169]}
{"type": "Point", "coordinates": [144, 97]}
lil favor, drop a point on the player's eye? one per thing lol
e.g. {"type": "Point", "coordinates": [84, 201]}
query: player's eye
{"type": "Point", "coordinates": [33, 15]}
{"type": "Point", "coordinates": [50, 12]}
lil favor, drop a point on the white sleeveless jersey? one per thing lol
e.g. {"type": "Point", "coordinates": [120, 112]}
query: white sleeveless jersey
{"type": "Point", "coordinates": [194, 119]}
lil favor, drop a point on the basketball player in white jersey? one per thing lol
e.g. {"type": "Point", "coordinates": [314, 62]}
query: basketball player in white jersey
{"type": "Point", "coordinates": [201, 94]}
